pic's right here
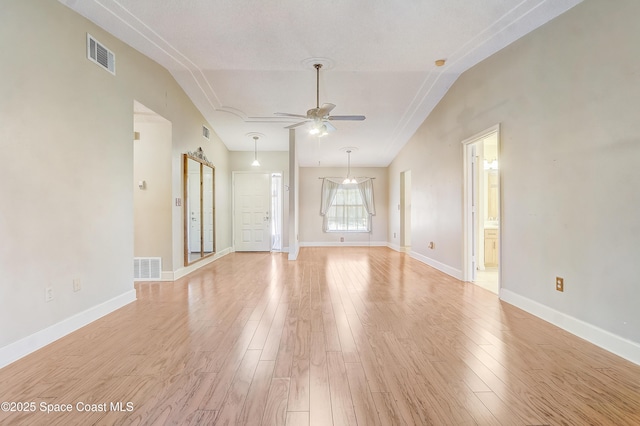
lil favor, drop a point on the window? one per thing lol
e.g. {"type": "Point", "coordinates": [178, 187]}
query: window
{"type": "Point", "coordinates": [347, 207]}
{"type": "Point", "coordinates": [347, 212]}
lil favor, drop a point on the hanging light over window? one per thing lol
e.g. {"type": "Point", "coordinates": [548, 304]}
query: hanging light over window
{"type": "Point", "coordinates": [348, 179]}
{"type": "Point", "coordinates": [255, 163]}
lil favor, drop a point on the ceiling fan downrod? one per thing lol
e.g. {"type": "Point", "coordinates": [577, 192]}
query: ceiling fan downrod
{"type": "Point", "coordinates": [317, 67]}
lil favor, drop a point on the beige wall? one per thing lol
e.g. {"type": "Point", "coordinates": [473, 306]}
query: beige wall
{"type": "Point", "coordinates": [311, 232]}
{"type": "Point", "coordinates": [567, 98]}
{"type": "Point", "coordinates": [152, 205]}
{"type": "Point", "coordinates": [66, 128]}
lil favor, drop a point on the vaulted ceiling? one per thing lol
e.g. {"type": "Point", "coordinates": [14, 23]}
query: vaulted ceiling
{"type": "Point", "coordinates": [241, 61]}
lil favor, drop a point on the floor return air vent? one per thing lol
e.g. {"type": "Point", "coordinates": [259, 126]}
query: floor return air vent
{"type": "Point", "coordinates": [147, 268]}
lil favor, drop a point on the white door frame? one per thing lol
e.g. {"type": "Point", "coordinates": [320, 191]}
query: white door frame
{"type": "Point", "coordinates": [469, 226]}
{"type": "Point", "coordinates": [279, 216]}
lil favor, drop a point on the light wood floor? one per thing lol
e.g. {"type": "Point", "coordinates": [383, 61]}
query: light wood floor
{"type": "Point", "coordinates": [343, 336]}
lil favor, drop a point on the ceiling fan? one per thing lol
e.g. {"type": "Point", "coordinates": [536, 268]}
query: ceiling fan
{"type": "Point", "coordinates": [320, 115]}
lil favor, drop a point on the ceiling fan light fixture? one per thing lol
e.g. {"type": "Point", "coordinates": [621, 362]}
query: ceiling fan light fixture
{"type": "Point", "coordinates": [319, 129]}
{"type": "Point", "coordinates": [320, 115]}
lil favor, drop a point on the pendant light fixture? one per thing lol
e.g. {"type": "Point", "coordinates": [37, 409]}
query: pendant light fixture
{"type": "Point", "coordinates": [255, 163]}
{"type": "Point", "coordinates": [348, 179]}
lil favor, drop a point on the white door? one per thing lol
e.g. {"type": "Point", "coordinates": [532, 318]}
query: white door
{"type": "Point", "coordinates": [252, 211]}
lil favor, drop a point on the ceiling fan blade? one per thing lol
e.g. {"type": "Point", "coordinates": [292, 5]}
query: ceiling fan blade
{"type": "Point", "coordinates": [293, 126]}
{"type": "Point", "coordinates": [286, 114]}
{"type": "Point", "coordinates": [347, 117]}
{"type": "Point", "coordinates": [325, 109]}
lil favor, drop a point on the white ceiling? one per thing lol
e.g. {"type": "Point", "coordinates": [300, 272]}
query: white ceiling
{"type": "Point", "coordinates": [240, 61]}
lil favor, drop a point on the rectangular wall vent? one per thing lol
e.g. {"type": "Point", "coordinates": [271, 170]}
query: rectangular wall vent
{"type": "Point", "coordinates": [205, 132]}
{"type": "Point", "coordinates": [147, 268]}
{"type": "Point", "coordinates": [98, 53]}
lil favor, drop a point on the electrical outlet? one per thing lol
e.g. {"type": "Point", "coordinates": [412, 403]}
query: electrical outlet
{"type": "Point", "coordinates": [432, 245]}
{"type": "Point", "coordinates": [342, 239]}
{"type": "Point", "coordinates": [76, 285]}
{"type": "Point", "coordinates": [559, 284]}
{"type": "Point", "coordinates": [48, 294]}
{"type": "Point", "coordinates": [394, 235]}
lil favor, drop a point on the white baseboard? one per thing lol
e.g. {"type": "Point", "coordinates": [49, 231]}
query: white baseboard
{"type": "Point", "coordinates": [456, 273]}
{"type": "Point", "coordinates": [620, 346]}
{"type": "Point", "coordinates": [345, 244]}
{"type": "Point", "coordinates": [186, 270]}
{"type": "Point", "coordinates": [16, 350]}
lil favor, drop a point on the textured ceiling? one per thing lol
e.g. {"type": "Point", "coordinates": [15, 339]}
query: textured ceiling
{"type": "Point", "coordinates": [241, 61]}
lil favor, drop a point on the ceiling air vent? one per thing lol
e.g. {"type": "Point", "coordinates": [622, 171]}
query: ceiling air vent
{"type": "Point", "coordinates": [96, 52]}
{"type": "Point", "coordinates": [205, 132]}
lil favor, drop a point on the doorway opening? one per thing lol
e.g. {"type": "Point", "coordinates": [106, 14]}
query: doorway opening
{"type": "Point", "coordinates": [482, 209]}
{"type": "Point", "coordinates": [152, 207]}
